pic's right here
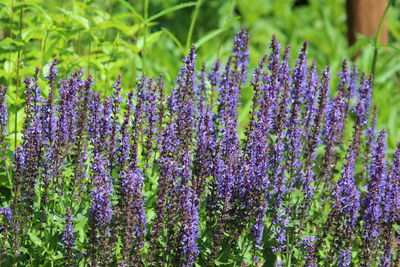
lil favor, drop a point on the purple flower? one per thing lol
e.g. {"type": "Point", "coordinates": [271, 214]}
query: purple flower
{"type": "Point", "coordinates": [372, 211]}
{"type": "Point", "coordinates": [184, 123]}
{"type": "Point", "coordinates": [151, 115]}
{"type": "Point", "coordinates": [334, 127]}
{"type": "Point", "coordinates": [32, 144]}
{"type": "Point", "coordinates": [284, 82]}
{"type": "Point", "coordinates": [67, 109]}
{"type": "Point", "coordinates": [311, 94]}
{"type": "Point", "coordinates": [257, 191]}
{"type": "Point", "coordinates": [353, 80]}
{"type": "Point", "coordinates": [254, 161]}
{"type": "Point", "coordinates": [138, 118]}
{"type": "Point", "coordinates": [81, 143]}
{"type": "Point", "coordinates": [313, 121]}
{"type": "Point", "coordinates": [100, 210]}
{"type": "Point", "coordinates": [364, 99]}
{"type": "Point", "coordinates": [337, 112]}
{"type": "Point", "coordinates": [278, 164]}
{"type": "Point", "coordinates": [372, 205]}
{"type": "Point", "coordinates": [133, 216]}
{"type": "Point", "coordinates": [68, 238]}
{"type": "Point", "coordinates": [175, 172]}
{"type": "Point", "coordinates": [52, 75]}
{"type": "Point", "coordinates": [344, 257]}
{"type": "Point", "coordinates": [347, 82]}
{"type": "Point", "coordinates": [295, 130]}
{"type": "Point", "coordinates": [241, 59]}
{"type": "Point", "coordinates": [214, 75]}
{"type": "Point", "coordinates": [49, 129]}
{"type": "Point", "coordinates": [3, 120]}
{"type": "Point", "coordinates": [308, 243]}
{"type": "Point", "coordinates": [33, 99]}
{"type": "Point", "coordinates": [105, 131]}
{"type": "Point", "coordinates": [205, 146]}
{"type": "Point", "coordinates": [346, 195]}
{"type": "Point", "coordinates": [229, 146]}
{"type": "Point", "coordinates": [6, 213]}
{"type": "Point", "coordinates": [95, 112]}
{"type": "Point", "coordinates": [116, 100]}
{"type": "Point", "coordinates": [190, 226]}
{"type": "Point", "coordinates": [125, 140]}
{"type": "Point", "coordinates": [346, 204]}
{"type": "Point", "coordinates": [390, 209]}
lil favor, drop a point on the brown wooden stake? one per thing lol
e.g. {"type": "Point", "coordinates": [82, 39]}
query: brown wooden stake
{"type": "Point", "coordinates": [363, 17]}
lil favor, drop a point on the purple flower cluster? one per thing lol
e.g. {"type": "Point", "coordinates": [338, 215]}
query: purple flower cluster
{"type": "Point", "coordinates": [68, 237]}
{"type": "Point", "coordinates": [148, 178]}
{"type": "Point", "coordinates": [3, 120]}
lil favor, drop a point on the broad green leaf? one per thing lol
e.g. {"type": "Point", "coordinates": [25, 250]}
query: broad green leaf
{"type": "Point", "coordinates": [35, 239]}
{"type": "Point", "coordinates": [81, 20]}
{"type": "Point", "coordinates": [27, 33]}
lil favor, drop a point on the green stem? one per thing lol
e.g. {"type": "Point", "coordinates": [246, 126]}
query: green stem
{"type": "Point", "coordinates": [289, 252]}
{"type": "Point", "coordinates": [9, 47]}
{"type": "Point", "coordinates": [145, 15]}
{"type": "Point", "coordinates": [89, 55]}
{"type": "Point", "coordinates": [17, 82]}
{"type": "Point", "coordinates": [378, 37]}
{"type": "Point", "coordinates": [113, 52]}
{"type": "Point", "coordinates": [192, 23]}
{"type": "Point", "coordinates": [44, 47]}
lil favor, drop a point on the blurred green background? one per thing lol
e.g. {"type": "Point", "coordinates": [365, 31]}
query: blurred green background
{"type": "Point", "coordinates": [106, 38]}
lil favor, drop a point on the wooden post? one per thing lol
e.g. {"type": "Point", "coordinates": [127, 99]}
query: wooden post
{"type": "Point", "coordinates": [363, 17]}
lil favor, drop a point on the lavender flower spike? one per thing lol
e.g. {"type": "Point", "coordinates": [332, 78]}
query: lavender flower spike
{"type": "Point", "coordinates": [68, 238]}
{"type": "Point", "coordinates": [3, 121]}
{"type": "Point", "coordinates": [134, 218]}
{"type": "Point", "coordinates": [100, 213]}
{"type": "Point", "coordinates": [372, 212]}
{"type": "Point", "coordinates": [241, 59]}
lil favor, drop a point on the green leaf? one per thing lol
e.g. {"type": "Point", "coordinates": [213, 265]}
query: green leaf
{"type": "Point", "coordinates": [173, 38]}
{"type": "Point", "coordinates": [171, 9]}
{"type": "Point", "coordinates": [27, 33]}
{"type": "Point", "coordinates": [35, 239]}
{"type": "Point", "coordinates": [152, 38]}
{"type": "Point", "coordinates": [391, 46]}
{"type": "Point", "coordinates": [216, 32]}
{"type": "Point", "coordinates": [132, 9]}
{"type": "Point", "coordinates": [208, 37]}
{"type": "Point", "coordinates": [41, 11]}
{"type": "Point", "coordinates": [81, 20]}
{"type": "Point", "coordinates": [8, 41]}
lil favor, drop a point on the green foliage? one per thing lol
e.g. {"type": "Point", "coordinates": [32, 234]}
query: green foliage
{"type": "Point", "coordinates": [130, 37]}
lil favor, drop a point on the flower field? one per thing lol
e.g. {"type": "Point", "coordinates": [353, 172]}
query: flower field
{"type": "Point", "coordinates": [282, 164]}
